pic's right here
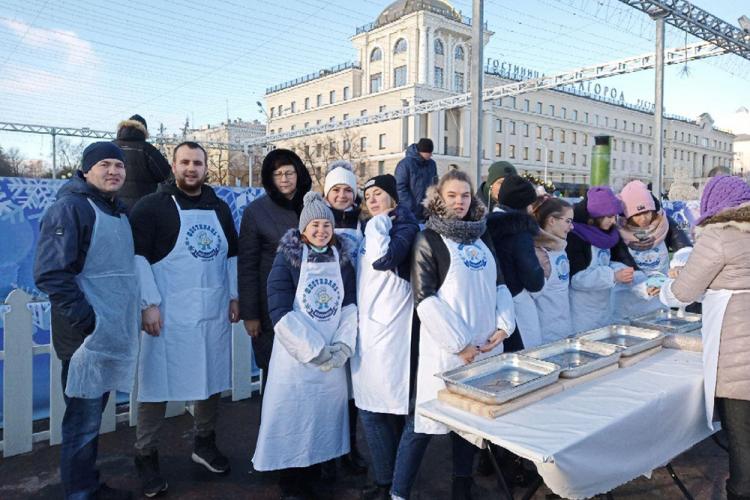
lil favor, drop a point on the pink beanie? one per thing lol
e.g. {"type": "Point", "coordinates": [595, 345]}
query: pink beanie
{"type": "Point", "coordinates": [636, 199]}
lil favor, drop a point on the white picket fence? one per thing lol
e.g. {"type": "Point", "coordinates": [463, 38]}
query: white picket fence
{"type": "Point", "coordinates": [18, 392]}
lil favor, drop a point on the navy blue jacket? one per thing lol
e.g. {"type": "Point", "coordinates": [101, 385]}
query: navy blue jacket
{"type": "Point", "coordinates": [513, 234]}
{"type": "Point", "coordinates": [64, 240]}
{"type": "Point", "coordinates": [284, 277]}
{"type": "Point", "coordinates": [398, 256]}
{"type": "Point", "coordinates": [414, 175]}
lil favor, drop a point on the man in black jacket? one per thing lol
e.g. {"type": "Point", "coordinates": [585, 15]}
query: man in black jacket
{"type": "Point", "coordinates": [146, 166]}
{"type": "Point", "coordinates": [84, 262]}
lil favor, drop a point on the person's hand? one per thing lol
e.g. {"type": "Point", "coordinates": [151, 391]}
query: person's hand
{"type": "Point", "coordinates": [252, 326]}
{"type": "Point", "coordinates": [653, 291]}
{"type": "Point", "coordinates": [624, 275]}
{"type": "Point", "coordinates": [495, 339]}
{"type": "Point", "coordinates": [234, 311]}
{"type": "Point", "coordinates": [338, 356]}
{"type": "Point", "coordinates": [152, 322]}
{"type": "Point", "coordinates": [468, 353]}
{"type": "Point", "coordinates": [674, 272]}
{"type": "Point", "coordinates": [324, 356]}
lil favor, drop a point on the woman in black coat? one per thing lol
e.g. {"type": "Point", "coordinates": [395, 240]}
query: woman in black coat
{"type": "Point", "coordinates": [265, 220]}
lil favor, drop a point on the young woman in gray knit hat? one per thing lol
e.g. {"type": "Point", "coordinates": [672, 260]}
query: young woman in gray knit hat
{"type": "Point", "coordinates": [312, 304]}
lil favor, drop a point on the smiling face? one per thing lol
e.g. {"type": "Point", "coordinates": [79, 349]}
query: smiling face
{"type": "Point", "coordinates": [560, 224]}
{"type": "Point", "coordinates": [340, 197]}
{"type": "Point", "coordinates": [318, 232]}
{"type": "Point", "coordinates": [107, 175]}
{"type": "Point", "coordinates": [378, 201]}
{"type": "Point", "coordinates": [189, 169]}
{"type": "Point", "coordinates": [457, 197]}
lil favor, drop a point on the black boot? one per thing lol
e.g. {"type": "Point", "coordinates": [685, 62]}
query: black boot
{"type": "Point", "coordinates": [152, 483]}
{"type": "Point", "coordinates": [461, 489]}
{"type": "Point", "coordinates": [107, 493]}
{"type": "Point", "coordinates": [376, 492]}
{"type": "Point", "coordinates": [352, 462]}
{"type": "Point", "coordinates": [208, 455]}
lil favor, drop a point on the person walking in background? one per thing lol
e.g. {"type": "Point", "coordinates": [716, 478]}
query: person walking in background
{"type": "Point", "coordinates": [414, 174]}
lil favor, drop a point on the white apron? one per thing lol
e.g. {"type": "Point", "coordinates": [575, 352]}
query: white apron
{"type": "Point", "coordinates": [590, 302]}
{"type": "Point", "coordinates": [380, 366]}
{"type": "Point", "coordinates": [470, 292]}
{"type": "Point", "coordinates": [191, 359]}
{"type": "Point", "coordinates": [626, 304]}
{"type": "Point", "coordinates": [353, 238]}
{"type": "Point", "coordinates": [106, 359]}
{"type": "Point", "coordinates": [553, 301]}
{"type": "Point", "coordinates": [304, 420]}
{"type": "Point", "coordinates": [527, 320]}
{"type": "Point", "coordinates": [714, 306]}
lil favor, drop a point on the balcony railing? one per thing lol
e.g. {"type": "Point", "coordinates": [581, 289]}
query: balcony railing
{"type": "Point", "coordinates": [420, 5]}
{"type": "Point", "coordinates": [312, 76]}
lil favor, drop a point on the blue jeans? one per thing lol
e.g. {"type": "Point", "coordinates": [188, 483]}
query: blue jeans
{"type": "Point", "coordinates": [411, 450]}
{"type": "Point", "coordinates": [382, 432]}
{"type": "Point", "coordinates": [80, 440]}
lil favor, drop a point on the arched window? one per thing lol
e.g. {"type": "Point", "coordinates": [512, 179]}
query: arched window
{"type": "Point", "coordinates": [400, 46]}
{"type": "Point", "coordinates": [439, 48]}
{"type": "Point", "coordinates": [376, 55]}
{"type": "Point", "coordinates": [459, 54]}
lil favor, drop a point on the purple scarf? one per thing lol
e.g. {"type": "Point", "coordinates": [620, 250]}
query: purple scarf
{"type": "Point", "coordinates": [595, 236]}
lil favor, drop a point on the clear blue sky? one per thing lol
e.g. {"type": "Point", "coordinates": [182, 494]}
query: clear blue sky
{"type": "Point", "coordinates": [87, 63]}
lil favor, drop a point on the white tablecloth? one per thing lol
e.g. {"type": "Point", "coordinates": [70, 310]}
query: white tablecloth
{"type": "Point", "coordinates": [596, 436]}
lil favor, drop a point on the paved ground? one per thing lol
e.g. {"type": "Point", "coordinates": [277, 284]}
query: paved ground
{"type": "Point", "coordinates": [35, 475]}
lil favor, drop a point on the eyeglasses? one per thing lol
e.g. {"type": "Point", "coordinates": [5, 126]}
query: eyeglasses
{"type": "Point", "coordinates": [567, 221]}
{"type": "Point", "coordinates": [285, 175]}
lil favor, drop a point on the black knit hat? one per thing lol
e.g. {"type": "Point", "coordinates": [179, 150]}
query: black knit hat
{"type": "Point", "coordinates": [386, 182]}
{"type": "Point", "coordinates": [140, 119]}
{"type": "Point", "coordinates": [425, 145]}
{"type": "Point", "coordinates": [516, 192]}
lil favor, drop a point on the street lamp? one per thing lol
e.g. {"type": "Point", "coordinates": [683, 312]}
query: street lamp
{"type": "Point", "coordinates": [261, 109]}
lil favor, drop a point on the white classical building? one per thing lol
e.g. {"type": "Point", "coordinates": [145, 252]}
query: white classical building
{"type": "Point", "coordinates": [420, 50]}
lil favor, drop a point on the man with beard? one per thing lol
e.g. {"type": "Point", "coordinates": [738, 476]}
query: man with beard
{"type": "Point", "coordinates": [186, 256]}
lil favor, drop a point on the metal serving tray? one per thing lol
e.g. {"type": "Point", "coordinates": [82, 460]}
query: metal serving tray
{"type": "Point", "coordinates": [669, 321]}
{"type": "Point", "coordinates": [630, 339]}
{"type": "Point", "coordinates": [500, 378]}
{"type": "Point", "coordinates": [576, 357]}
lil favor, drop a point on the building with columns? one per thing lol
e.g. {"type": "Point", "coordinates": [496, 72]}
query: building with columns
{"type": "Point", "coordinates": [420, 50]}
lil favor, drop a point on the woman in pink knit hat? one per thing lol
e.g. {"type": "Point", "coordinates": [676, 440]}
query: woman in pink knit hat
{"type": "Point", "coordinates": [647, 235]}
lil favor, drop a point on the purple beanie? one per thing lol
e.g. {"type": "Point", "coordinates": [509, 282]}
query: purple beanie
{"type": "Point", "coordinates": [602, 202]}
{"type": "Point", "coordinates": [723, 192]}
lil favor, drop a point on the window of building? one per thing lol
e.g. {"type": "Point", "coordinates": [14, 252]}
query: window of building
{"type": "Point", "coordinates": [459, 53]}
{"type": "Point", "coordinates": [512, 151]}
{"type": "Point", "coordinates": [332, 119]}
{"type": "Point", "coordinates": [345, 117]}
{"type": "Point", "coordinates": [606, 121]}
{"type": "Point", "coordinates": [539, 107]}
{"type": "Point", "coordinates": [273, 111]}
{"type": "Point", "coordinates": [399, 76]}
{"type": "Point", "coordinates": [651, 131]}
{"type": "Point", "coordinates": [633, 124]}
{"type": "Point", "coordinates": [307, 103]}
{"type": "Point", "coordinates": [614, 163]}
{"type": "Point", "coordinates": [292, 127]}
{"type": "Point", "coordinates": [376, 82]}
{"type": "Point", "coordinates": [585, 140]}
{"type": "Point", "coordinates": [363, 169]}
{"type": "Point", "coordinates": [623, 145]}
{"type": "Point", "coordinates": [458, 81]}
{"type": "Point", "coordinates": [439, 50]}
{"type": "Point", "coordinates": [562, 157]}
{"type": "Point", "coordinates": [512, 127]}
{"type": "Point", "coordinates": [640, 128]}
{"type": "Point", "coordinates": [526, 104]}
{"type": "Point", "coordinates": [376, 54]}
{"type": "Point", "coordinates": [381, 141]}
{"type": "Point", "coordinates": [318, 149]}
{"type": "Point", "coordinates": [438, 77]}
{"type": "Point", "coordinates": [538, 131]}
{"type": "Point", "coordinates": [562, 136]}
{"type": "Point", "coordinates": [615, 123]}
{"type": "Point", "coordinates": [682, 154]}
{"type": "Point", "coordinates": [583, 160]}
{"type": "Point", "coordinates": [499, 125]}
{"type": "Point", "coordinates": [596, 120]}
{"type": "Point", "coordinates": [363, 112]}
{"type": "Point", "coordinates": [307, 124]}
{"type": "Point", "coordinates": [318, 121]}
{"type": "Point", "coordinates": [363, 143]}
{"type": "Point", "coordinates": [573, 159]}
{"type": "Point", "coordinates": [640, 148]}
{"type": "Point", "coordinates": [575, 114]}
{"type": "Point", "coordinates": [574, 137]}
{"type": "Point", "coordinates": [585, 118]}
{"type": "Point", "coordinates": [381, 167]}
{"type": "Point", "coordinates": [512, 102]}
{"type": "Point", "coordinates": [650, 150]}
{"type": "Point", "coordinates": [279, 130]}
{"type": "Point", "coordinates": [551, 108]}
{"type": "Point", "coordinates": [272, 131]}
{"type": "Point", "coordinates": [550, 156]}
{"type": "Point", "coordinates": [381, 109]}
{"type": "Point", "coordinates": [538, 154]}
{"type": "Point", "coordinates": [498, 149]}
{"type": "Point", "coordinates": [400, 46]}
{"type": "Point", "coordinates": [279, 110]}
{"type": "Point", "coordinates": [347, 145]}
{"type": "Point", "coordinates": [526, 153]}
{"type": "Point", "coordinates": [525, 129]}
{"type": "Point", "coordinates": [632, 147]}
{"type": "Point", "coordinates": [346, 93]}
{"type": "Point", "coordinates": [563, 113]}
{"type": "Point", "coordinates": [332, 97]}
{"type": "Point", "coordinates": [293, 106]}
{"type": "Point", "coordinates": [674, 156]}
{"type": "Point", "coordinates": [551, 135]}
{"type": "Point", "coordinates": [319, 100]}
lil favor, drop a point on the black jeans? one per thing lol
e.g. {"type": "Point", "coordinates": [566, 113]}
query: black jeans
{"type": "Point", "coordinates": [80, 443]}
{"type": "Point", "coordinates": [735, 419]}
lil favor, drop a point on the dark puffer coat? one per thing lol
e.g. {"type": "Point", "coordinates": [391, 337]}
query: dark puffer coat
{"type": "Point", "coordinates": [414, 175]}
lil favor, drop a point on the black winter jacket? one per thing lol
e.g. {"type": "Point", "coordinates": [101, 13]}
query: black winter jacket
{"type": "Point", "coordinates": [398, 256]}
{"type": "Point", "coordinates": [64, 239]}
{"type": "Point", "coordinates": [513, 233]}
{"type": "Point", "coordinates": [146, 167]}
{"type": "Point", "coordinates": [414, 175]}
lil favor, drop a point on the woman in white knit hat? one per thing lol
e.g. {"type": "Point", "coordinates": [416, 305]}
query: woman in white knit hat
{"type": "Point", "coordinates": [342, 197]}
{"type": "Point", "coordinates": [312, 304]}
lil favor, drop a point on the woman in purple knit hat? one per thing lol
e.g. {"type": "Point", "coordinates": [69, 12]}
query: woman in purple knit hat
{"type": "Point", "coordinates": [592, 274]}
{"type": "Point", "coordinates": [717, 273]}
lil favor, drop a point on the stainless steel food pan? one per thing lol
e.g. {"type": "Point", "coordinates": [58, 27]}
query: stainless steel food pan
{"type": "Point", "coordinates": [576, 357]}
{"type": "Point", "coordinates": [631, 339]}
{"type": "Point", "coordinates": [669, 321]}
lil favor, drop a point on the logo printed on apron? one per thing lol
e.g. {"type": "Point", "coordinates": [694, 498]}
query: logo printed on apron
{"type": "Point", "coordinates": [603, 257]}
{"type": "Point", "coordinates": [203, 242]}
{"type": "Point", "coordinates": [321, 298]}
{"type": "Point", "coordinates": [472, 256]}
{"type": "Point", "coordinates": [563, 267]}
{"type": "Point", "coordinates": [648, 260]}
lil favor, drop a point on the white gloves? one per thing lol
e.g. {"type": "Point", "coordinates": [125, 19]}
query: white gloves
{"type": "Point", "coordinates": [324, 356]}
{"type": "Point", "coordinates": [340, 352]}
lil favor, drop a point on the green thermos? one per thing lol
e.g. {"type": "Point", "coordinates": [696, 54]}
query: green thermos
{"type": "Point", "coordinates": [600, 161]}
